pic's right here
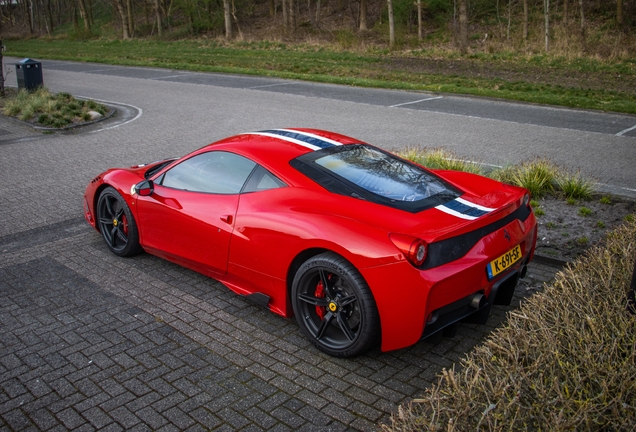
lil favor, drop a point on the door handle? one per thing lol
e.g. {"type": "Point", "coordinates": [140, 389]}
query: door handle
{"type": "Point", "coordinates": [227, 219]}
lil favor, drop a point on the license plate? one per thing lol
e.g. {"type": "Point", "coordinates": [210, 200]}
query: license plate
{"type": "Point", "coordinates": [504, 262]}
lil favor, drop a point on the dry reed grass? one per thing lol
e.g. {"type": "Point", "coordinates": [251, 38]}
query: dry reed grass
{"type": "Point", "coordinates": [566, 360]}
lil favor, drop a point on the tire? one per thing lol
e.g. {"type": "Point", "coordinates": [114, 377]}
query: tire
{"type": "Point", "coordinates": [117, 224]}
{"type": "Point", "coordinates": [334, 306]}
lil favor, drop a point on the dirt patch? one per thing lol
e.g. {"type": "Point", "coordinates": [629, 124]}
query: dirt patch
{"type": "Point", "coordinates": [568, 230]}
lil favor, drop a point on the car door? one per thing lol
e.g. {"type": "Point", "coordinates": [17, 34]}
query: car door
{"type": "Point", "coordinates": [189, 217]}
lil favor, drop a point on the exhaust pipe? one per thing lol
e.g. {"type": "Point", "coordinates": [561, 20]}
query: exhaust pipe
{"type": "Point", "coordinates": [478, 301]}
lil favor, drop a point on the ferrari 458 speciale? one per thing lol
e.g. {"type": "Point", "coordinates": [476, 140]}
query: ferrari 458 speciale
{"type": "Point", "coordinates": [361, 246]}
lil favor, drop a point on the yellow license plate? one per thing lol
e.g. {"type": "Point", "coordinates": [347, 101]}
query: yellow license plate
{"type": "Point", "coordinates": [504, 262]}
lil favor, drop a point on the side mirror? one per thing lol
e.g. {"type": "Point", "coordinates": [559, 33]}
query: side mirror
{"type": "Point", "coordinates": [144, 188]}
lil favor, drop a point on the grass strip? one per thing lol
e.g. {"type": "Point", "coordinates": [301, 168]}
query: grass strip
{"type": "Point", "coordinates": [371, 68]}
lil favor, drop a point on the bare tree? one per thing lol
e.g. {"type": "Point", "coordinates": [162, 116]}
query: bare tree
{"type": "Point", "coordinates": [419, 19]}
{"type": "Point", "coordinates": [363, 14]}
{"type": "Point", "coordinates": [583, 41]}
{"type": "Point", "coordinates": [159, 18]}
{"type": "Point", "coordinates": [525, 20]}
{"type": "Point", "coordinates": [227, 16]}
{"type": "Point", "coordinates": [119, 6]}
{"type": "Point", "coordinates": [84, 15]}
{"type": "Point", "coordinates": [130, 18]}
{"type": "Point", "coordinates": [463, 27]}
{"type": "Point", "coordinates": [546, 13]}
{"type": "Point", "coordinates": [391, 24]}
{"type": "Point", "coordinates": [619, 12]}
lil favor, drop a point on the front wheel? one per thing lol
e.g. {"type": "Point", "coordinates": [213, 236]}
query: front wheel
{"type": "Point", "coordinates": [116, 223]}
{"type": "Point", "coordinates": [334, 306]}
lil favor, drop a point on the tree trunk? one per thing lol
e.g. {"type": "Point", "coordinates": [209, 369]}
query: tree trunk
{"type": "Point", "coordinates": [546, 10]}
{"type": "Point", "coordinates": [291, 15]}
{"type": "Point", "coordinates": [131, 21]}
{"type": "Point", "coordinates": [525, 20]}
{"type": "Point", "coordinates": [285, 8]}
{"type": "Point", "coordinates": [75, 20]}
{"type": "Point", "coordinates": [565, 12]}
{"type": "Point", "coordinates": [619, 12]}
{"type": "Point", "coordinates": [89, 11]}
{"type": "Point", "coordinates": [84, 15]}
{"type": "Point", "coordinates": [317, 20]}
{"type": "Point", "coordinates": [272, 8]}
{"type": "Point", "coordinates": [122, 14]}
{"type": "Point", "coordinates": [49, 14]}
{"type": "Point", "coordinates": [509, 19]}
{"type": "Point", "coordinates": [363, 14]}
{"type": "Point", "coordinates": [419, 19]}
{"type": "Point", "coordinates": [238, 28]}
{"type": "Point", "coordinates": [159, 18]}
{"type": "Point", "coordinates": [391, 24]}
{"type": "Point", "coordinates": [583, 41]}
{"type": "Point", "coordinates": [463, 27]}
{"type": "Point", "coordinates": [30, 16]}
{"type": "Point", "coordinates": [227, 16]}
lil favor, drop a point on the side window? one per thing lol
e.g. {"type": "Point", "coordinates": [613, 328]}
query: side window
{"type": "Point", "coordinates": [261, 179]}
{"type": "Point", "coordinates": [212, 172]}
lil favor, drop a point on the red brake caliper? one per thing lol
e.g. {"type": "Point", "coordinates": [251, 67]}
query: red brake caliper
{"type": "Point", "coordinates": [124, 222]}
{"type": "Point", "coordinates": [320, 293]}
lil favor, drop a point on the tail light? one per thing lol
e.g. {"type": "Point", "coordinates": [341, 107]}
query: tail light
{"type": "Point", "coordinates": [413, 248]}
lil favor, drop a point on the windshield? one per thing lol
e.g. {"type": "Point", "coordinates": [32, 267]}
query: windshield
{"type": "Point", "coordinates": [370, 173]}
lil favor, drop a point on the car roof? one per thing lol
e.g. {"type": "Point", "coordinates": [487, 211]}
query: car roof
{"type": "Point", "coordinates": [284, 143]}
{"type": "Point", "coordinates": [274, 148]}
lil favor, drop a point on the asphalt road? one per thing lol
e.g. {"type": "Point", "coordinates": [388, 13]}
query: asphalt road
{"type": "Point", "coordinates": [92, 341]}
{"type": "Point", "coordinates": [184, 110]}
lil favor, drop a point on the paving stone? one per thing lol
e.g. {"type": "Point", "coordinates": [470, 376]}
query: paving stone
{"type": "Point", "coordinates": [91, 341]}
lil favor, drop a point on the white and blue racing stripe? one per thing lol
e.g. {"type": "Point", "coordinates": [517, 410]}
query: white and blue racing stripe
{"type": "Point", "coordinates": [305, 139]}
{"type": "Point", "coordinates": [464, 209]}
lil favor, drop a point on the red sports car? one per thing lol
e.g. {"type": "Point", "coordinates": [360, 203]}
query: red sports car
{"type": "Point", "coordinates": [360, 245]}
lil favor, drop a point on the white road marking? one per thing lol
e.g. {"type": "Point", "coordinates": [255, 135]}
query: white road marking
{"type": "Point", "coordinates": [621, 133]}
{"type": "Point", "coordinates": [417, 101]}
{"type": "Point", "coordinates": [170, 76]}
{"type": "Point", "coordinates": [270, 85]}
{"type": "Point", "coordinates": [139, 112]}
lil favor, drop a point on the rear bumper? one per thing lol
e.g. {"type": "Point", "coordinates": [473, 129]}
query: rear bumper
{"type": "Point", "coordinates": [475, 308]}
{"type": "Point", "coordinates": [415, 303]}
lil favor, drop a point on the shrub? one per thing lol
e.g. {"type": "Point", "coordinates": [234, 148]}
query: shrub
{"type": "Point", "coordinates": [440, 159]}
{"type": "Point", "coordinates": [564, 361]}
{"type": "Point", "coordinates": [50, 110]}
{"type": "Point", "coordinates": [575, 186]}
{"type": "Point", "coordinates": [536, 176]}
{"type": "Point", "coordinates": [505, 174]}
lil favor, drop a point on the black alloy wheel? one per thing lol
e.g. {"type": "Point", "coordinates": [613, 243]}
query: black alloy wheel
{"type": "Point", "coordinates": [334, 306]}
{"type": "Point", "coordinates": [117, 224]}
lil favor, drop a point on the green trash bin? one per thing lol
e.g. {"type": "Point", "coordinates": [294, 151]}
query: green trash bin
{"type": "Point", "coordinates": [29, 73]}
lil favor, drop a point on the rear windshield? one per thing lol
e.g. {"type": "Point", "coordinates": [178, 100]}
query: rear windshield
{"type": "Point", "coordinates": [369, 173]}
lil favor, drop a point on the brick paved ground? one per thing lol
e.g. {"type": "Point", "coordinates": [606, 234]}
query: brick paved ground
{"type": "Point", "coordinates": [92, 341]}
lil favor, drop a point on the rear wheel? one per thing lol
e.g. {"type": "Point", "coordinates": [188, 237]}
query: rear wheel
{"type": "Point", "coordinates": [334, 306]}
{"type": "Point", "coordinates": [116, 223]}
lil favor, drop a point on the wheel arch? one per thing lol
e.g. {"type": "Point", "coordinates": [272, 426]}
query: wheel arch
{"type": "Point", "coordinates": [93, 204]}
{"type": "Point", "coordinates": [298, 261]}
